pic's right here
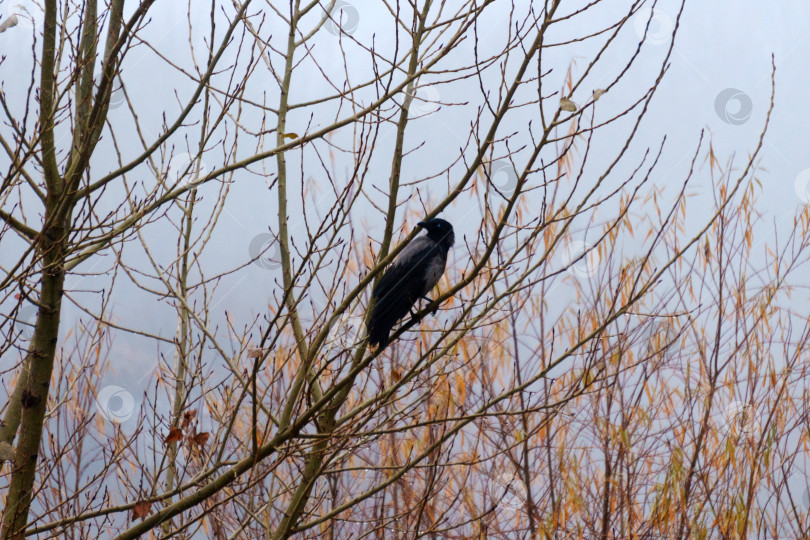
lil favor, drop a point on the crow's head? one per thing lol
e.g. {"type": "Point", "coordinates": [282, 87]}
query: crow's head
{"type": "Point", "coordinates": [439, 230]}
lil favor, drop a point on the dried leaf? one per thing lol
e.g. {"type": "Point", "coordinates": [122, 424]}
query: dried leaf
{"type": "Point", "coordinates": [9, 23]}
{"type": "Point", "coordinates": [200, 439]}
{"type": "Point", "coordinates": [188, 417]}
{"type": "Point", "coordinates": [568, 105]}
{"type": "Point", "coordinates": [141, 509]}
{"type": "Point", "coordinates": [598, 93]}
{"type": "Point", "coordinates": [175, 434]}
{"type": "Point", "coordinates": [461, 388]}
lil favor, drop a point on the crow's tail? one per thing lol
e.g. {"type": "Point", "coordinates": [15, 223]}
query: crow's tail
{"type": "Point", "coordinates": [378, 335]}
{"type": "Point", "coordinates": [380, 323]}
{"type": "Point", "coordinates": [391, 305]}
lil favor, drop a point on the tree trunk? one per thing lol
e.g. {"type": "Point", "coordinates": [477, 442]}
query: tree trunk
{"type": "Point", "coordinates": [33, 399]}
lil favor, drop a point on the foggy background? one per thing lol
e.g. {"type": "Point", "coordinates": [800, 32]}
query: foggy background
{"type": "Point", "coordinates": [719, 80]}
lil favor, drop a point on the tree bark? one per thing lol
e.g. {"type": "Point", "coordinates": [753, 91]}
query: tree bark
{"type": "Point", "coordinates": [33, 397]}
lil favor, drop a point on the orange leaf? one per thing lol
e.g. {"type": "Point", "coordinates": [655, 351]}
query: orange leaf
{"type": "Point", "coordinates": [461, 388]}
{"type": "Point", "coordinates": [188, 416]}
{"type": "Point", "coordinates": [175, 434]}
{"type": "Point", "coordinates": [200, 439]}
{"type": "Point", "coordinates": [141, 509]}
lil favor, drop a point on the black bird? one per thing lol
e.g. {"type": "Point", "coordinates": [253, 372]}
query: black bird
{"type": "Point", "coordinates": [414, 272]}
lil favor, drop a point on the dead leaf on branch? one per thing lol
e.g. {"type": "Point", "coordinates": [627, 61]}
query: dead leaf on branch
{"type": "Point", "coordinates": [175, 434]}
{"type": "Point", "coordinates": [188, 417]}
{"type": "Point", "coordinates": [141, 509]}
{"type": "Point", "coordinates": [11, 22]}
{"type": "Point", "coordinates": [198, 440]}
{"type": "Point", "coordinates": [568, 105]}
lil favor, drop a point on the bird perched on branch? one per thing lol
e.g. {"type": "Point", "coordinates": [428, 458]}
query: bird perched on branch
{"type": "Point", "coordinates": [414, 272]}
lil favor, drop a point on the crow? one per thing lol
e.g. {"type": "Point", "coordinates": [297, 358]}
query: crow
{"type": "Point", "coordinates": [414, 272]}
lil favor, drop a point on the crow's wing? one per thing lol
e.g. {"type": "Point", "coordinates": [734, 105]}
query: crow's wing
{"type": "Point", "coordinates": [409, 268]}
{"type": "Point", "coordinates": [413, 273]}
{"type": "Point", "coordinates": [434, 268]}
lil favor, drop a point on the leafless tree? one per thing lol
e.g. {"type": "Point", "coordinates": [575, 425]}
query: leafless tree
{"type": "Point", "coordinates": [587, 334]}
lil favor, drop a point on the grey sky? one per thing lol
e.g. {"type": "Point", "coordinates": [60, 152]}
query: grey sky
{"type": "Point", "coordinates": [720, 46]}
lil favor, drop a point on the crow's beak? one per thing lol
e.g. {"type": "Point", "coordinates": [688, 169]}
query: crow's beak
{"type": "Point", "coordinates": [422, 224]}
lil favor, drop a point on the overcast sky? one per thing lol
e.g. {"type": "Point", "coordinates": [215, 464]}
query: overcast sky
{"type": "Point", "coordinates": [719, 80]}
